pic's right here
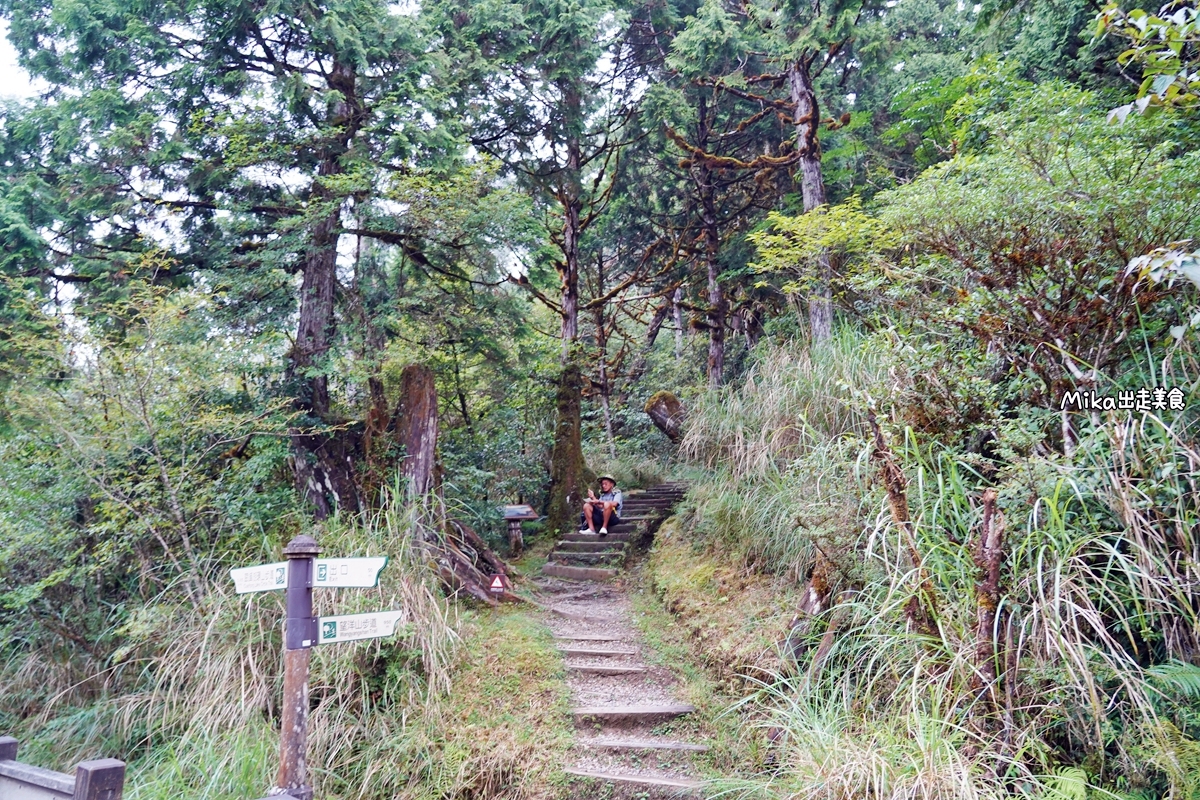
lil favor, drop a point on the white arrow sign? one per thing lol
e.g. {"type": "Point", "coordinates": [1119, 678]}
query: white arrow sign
{"type": "Point", "coordinates": [350, 627]}
{"type": "Point", "coordinates": [262, 578]}
{"type": "Point", "coordinates": [347, 572]}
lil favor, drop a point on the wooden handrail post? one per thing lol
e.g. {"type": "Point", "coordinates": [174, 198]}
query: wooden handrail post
{"type": "Point", "coordinates": [102, 779]}
{"type": "Point", "coordinates": [8, 748]}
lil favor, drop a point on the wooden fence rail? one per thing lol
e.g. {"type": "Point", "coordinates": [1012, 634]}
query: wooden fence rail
{"type": "Point", "coordinates": [102, 779]}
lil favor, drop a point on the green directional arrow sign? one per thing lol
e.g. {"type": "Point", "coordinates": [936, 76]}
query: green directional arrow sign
{"type": "Point", "coordinates": [262, 578]}
{"type": "Point", "coordinates": [351, 627]}
{"type": "Point", "coordinates": [336, 573]}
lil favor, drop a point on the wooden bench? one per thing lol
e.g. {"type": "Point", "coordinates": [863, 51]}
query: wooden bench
{"type": "Point", "coordinates": [102, 779]}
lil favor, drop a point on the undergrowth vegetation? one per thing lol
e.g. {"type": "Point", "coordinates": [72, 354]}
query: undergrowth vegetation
{"type": "Point", "coordinates": [191, 699]}
{"type": "Point", "coordinates": [1093, 643]}
{"type": "Point", "coordinates": [997, 592]}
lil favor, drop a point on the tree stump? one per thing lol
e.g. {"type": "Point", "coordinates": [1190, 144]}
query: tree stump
{"type": "Point", "coordinates": [415, 423]}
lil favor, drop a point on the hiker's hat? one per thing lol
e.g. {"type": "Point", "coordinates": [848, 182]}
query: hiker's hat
{"type": "Point", "coordinates": [609, 478]}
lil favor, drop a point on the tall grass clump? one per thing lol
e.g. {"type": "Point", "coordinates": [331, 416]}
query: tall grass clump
{"type": "Point", "coordinates": [784, 453]}
{"type": "Point", "coordinates": [792, 399]}
{"type": "Point", "coordinates": [1093, 648]}
{"type": "Point", "coordinates": [1086, 682]}
{"type": "Point", "coordinates": [211, 675]}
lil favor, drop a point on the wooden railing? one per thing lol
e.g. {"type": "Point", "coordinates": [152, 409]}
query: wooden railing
{"type": "Point", "coordinates": [102, 779]}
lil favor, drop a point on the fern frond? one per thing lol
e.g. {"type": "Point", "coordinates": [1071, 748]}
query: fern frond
{"type": "Point", "coordinates": [1179, 675]}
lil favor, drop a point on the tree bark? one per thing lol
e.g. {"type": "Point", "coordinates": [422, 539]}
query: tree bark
{"type": "Point", "coordinates": [677, 311]}
{"type": "Point", "coordinates": [323, 463]}
{"type": "Point", "coordinates": [989, 557]}
{"type": "Point", "coordinates": [718, 306]}
{"type": "Point", "coordinates": [571, 199]}
{"type": "Point", "coordinates": [415, 423]}
{"type": "Point", "coordinates": [922, 608]}
{"type": "Point", "coordinates": [812, 188]}
{"type": "Point", "coordinates": [566, 459]}
{"type": "Point", "coordinates": [602, 351]}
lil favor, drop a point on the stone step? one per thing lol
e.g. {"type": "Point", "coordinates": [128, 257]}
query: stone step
{"type": "Point", "coordinates": [618, 527]}
{"type": "Point", "coordinates": [633, 713]}
{"type": "Point", "coordinates": [595, 537]}
{"type": "Point", "coordinates": [642, 744]}
{"type": "Point", "coordinates": [586, 637]}
{"type": "Point", "coordinates": [601, 546]}
{"type": "Point", "coordinates": [582, 616]}
{"type": "Point", "coordinates": [578, 573]}
{"type": "Point", "coordinates": [594, 652]}
{"type": "Point", "coordinates": [635, 779]}
{"type": "Point", "coordinates": [606, 669]}
{"type": "Point", "coordinates": [609, 558]}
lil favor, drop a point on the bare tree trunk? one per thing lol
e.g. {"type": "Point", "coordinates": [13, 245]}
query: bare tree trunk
{"type": "Point", "coordinates": [989, 557]}
{"type": "Point", "coordinates": [812, 188]}
{"type": "Point", "coordinates": [570, 197]}
{"type": "Point", "coordinates": [566, 461]}
{"type": "Point", "coordinates": [677, 309]}
{"type": "Point", "coordinates": [922, 608]}
{"type": "Point", "coordinates": [463, 560]}
{"type": "Point", "coordinates": [652, 330]}
{"type": "Point", "coordinates": [602, 350]}
{"type": "Point", "coordinates": [718, 306]}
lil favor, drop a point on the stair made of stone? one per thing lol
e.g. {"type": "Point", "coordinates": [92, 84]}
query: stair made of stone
{"type": "Point", "coordinates": [592, 556]}
{"type": "Point", "coordinates": [617, 745]}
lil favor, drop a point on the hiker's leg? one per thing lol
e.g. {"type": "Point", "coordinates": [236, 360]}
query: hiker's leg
{"type": "Point", "coordinates": [608, 509]}
{"type": "Point", "coordinates": [589, 516]}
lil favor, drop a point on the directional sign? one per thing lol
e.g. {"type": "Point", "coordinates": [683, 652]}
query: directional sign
{"type": "Point", "coordinates": [357, 626]}
{"type": "Point", "coordinates": [262, 578]}
{"type": "Point", "coordinates": [347, 572]}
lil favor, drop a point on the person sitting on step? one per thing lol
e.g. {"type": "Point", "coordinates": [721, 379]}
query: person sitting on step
{"type": "Point", "coordinates": [604, 510]}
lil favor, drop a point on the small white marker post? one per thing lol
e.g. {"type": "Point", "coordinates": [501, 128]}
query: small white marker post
{"type": "Point", "coordinates": [297, 576]}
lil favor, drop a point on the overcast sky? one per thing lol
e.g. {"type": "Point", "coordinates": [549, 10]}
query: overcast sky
{"type": "Point", "coordinates": [14, 81]}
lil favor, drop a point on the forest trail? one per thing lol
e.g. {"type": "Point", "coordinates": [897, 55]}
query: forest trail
{"type": "Point", "coordinates": [620, 702]}
{"type": "Point", "coordinates": [622, 705]}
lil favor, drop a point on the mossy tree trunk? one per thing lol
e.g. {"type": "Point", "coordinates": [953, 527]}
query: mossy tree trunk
{"type": "Point", "coordinates": [568, 471]}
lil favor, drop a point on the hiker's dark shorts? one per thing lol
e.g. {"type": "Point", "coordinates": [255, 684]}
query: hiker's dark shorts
{"type": "Point", "coordinates": [598, 517]}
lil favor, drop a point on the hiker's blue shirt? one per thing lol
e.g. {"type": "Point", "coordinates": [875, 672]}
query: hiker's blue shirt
{"type": "Point", "coordinates": [614, 497]}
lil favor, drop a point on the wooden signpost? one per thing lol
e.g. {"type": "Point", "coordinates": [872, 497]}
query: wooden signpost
{"type": "Point", "coordinates": [297, 576]}
{"type": "Point", "coordinates": [515, 515]}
